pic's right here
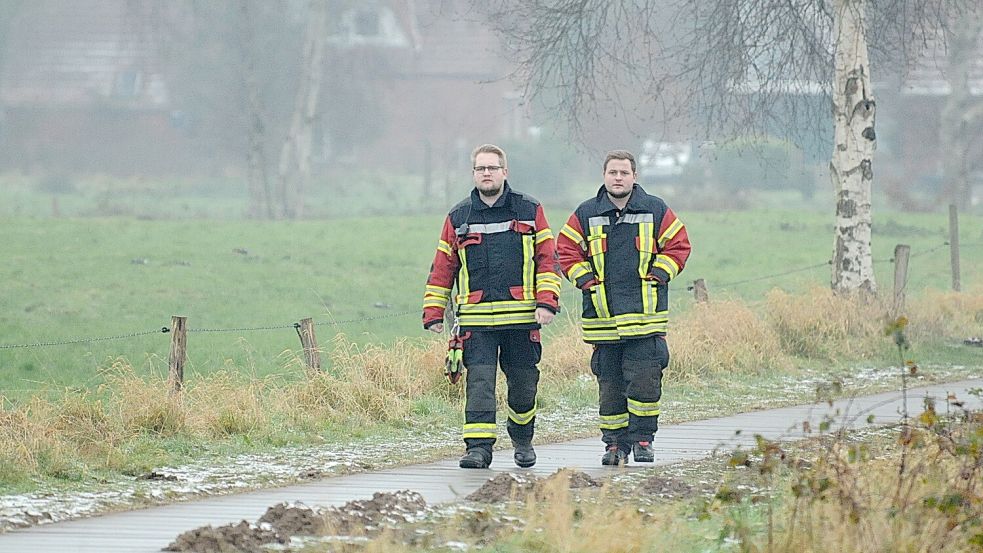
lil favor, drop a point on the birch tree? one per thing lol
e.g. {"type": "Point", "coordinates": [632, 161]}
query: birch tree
{"type": "Point", "coordinates": [732, 68]}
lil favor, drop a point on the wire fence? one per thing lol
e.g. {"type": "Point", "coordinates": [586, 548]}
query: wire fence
{"type": "Point", "coordinates": [297, 326]}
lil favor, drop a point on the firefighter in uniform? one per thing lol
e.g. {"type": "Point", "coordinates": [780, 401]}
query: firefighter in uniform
{"type": "Point", "coordinates": [497, 247]}
{"type": "Point", "coordinates": [621, 248]}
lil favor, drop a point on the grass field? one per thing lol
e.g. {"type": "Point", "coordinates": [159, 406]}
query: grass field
{"type": "Point", "coordinates": [81, 278]}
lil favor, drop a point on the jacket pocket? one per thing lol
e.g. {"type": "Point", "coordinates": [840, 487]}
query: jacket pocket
{"type": "Point", "coordinates": [519, 293]}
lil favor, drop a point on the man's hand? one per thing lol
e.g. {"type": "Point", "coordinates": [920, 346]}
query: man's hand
{"type": "Point", "coordinates": [436, 328]}
{"type": "Point", "coordinates": [543, 316]}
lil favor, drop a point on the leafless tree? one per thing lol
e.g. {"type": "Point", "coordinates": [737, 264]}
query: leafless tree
{"type": "Point", "coordinates": [962, 114]}
{"type": "Point", "coordinates": [732, 68]}
{"type": "Point", "coordinates": [294, 169]}
{"type": "Point", "coordinates": [253, 75]}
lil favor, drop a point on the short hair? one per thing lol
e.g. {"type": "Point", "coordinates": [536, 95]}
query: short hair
{"type": "Point", "coordinates": [620, 154]}
{"type": "Point", "coordinates": [489, 149]}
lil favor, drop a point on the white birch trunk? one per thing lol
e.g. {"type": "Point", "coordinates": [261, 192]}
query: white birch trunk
{"type": "Point", "coordinates": [295, 156]}
{"type": "Point", "coordinates": [851, 167]}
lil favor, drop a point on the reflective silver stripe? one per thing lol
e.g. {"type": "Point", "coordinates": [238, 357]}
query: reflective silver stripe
{"type": "Point", "coordinates": [493, 228]}
{"type": "Point", "coordinates": [598, 221]}
{"type": "Point", "coordinates": [635, 218]}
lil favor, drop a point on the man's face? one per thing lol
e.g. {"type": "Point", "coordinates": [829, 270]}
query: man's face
{"type": "Point", "coordinates": [489, 181]}
{"type": "Point", "coordinates": [619, 178]}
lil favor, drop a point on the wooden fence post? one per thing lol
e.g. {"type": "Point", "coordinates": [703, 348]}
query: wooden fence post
{"type": "Point", "coordinates": [700, 291]}
{"type": "Point", "coordinates": [308, 341]}
{"type": "Point", "coordinates": [179, 353]}
{"type": "Point", "coordinates": [901, 252]}
{"type": "Point", "coordinates": [954, 245]}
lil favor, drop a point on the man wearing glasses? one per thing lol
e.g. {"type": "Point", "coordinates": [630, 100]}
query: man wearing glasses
{"type": "Point", "coordinates": [621, 248]}
{"type": "Point", "coordinates": [497, 248]}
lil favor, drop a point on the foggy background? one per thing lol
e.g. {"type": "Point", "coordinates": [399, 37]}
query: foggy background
{"type": "Point", "coordinates": [242, 108]}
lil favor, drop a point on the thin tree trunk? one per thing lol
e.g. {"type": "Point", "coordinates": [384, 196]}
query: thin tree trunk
{"type": "Point", "coordinates": [851, 167]}
{"type": "Point", "coordinates": [957, 114]}
{"type": "Point", "coordinates": [260, 195]}
{"type": "Point", "coordinates": [295, 156]}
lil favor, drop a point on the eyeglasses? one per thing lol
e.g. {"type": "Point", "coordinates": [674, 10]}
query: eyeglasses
{"type": "Point", "coordinates": [489, 168]}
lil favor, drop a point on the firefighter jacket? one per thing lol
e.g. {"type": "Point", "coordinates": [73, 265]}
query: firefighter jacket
{"type": "Point", "coordinates": [503, 258]}
{"type": "Point", "coordinates": [623, 261]}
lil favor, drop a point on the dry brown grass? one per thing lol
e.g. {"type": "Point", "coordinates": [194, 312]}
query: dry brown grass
{"type": "Point", "coordinates": [722, 338]}
{"type": "Point", "coordinates": [377, 384]}
{"type": "Point", "coordinates": [934, 505]}
{"type": "Point", "coordinates": [374, 383]}
{"type": "Point", "coordinates": [565, 355]}
{"type": "Point", "coordinates": [957, 315]}
{"type": "Point", "coordinates": [826, 326]}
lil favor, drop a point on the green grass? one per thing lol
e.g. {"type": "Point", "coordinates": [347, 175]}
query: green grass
{"type": "Point", "coordinates": [66, 279]}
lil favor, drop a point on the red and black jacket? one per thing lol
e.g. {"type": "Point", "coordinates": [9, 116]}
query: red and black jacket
{"type": "Point", "coordinates": [623, 261]}
{"type": "Point", "coordinates": [502, 259]}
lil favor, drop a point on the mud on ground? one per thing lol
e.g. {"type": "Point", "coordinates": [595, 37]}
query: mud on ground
{"type": "Point", "coordinates": [360, 519]}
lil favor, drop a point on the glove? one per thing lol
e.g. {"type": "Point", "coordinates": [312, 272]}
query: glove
{"type": "Point", "coordinates": [454, 363]}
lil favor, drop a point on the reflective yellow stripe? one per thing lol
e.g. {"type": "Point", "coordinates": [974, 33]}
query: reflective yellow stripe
{"type": "Point", "coordinates": [435, 290]}
{"type": "Point", "coordinates": [436, 296]}
{"type": "Point", "coordinates": [505, 306]}
{"type": "Point", "coordinates": [544, 235]}
{"type": "Point", "coordinates": [643, 409]}
{"type": "Point", "coordinates": [497, 319]}
{"type": "Point", "coordinates": [645, 242]}
{"type": "Point", "coordinates": [628, 325]}
{"type": "Point", "coordinates": [579, 270]}
{"type": "Point", "coordinates": [434, 302]}
{"type": "Point", "coordinates": [479, 430]}
{"type": "Point", "coordinates": [444, 247]}
{"type": "Point", "coordinates": [599, 296]}
{"type": "Point", "coordinates": [547, 282]}
{"type": "Point", "coordinates": [573, 235]}
{"type": "Point", "coordinates": [463, 278]}
{"type": "Point", "coordinates": [667, 264]}
{"type": "Point", "coordinates": [497, 313]}
{"type": "Point", "coordinates": [528, 267]}
{"type": "Point", "coordinates": [522, 418]}
{"type": "Point", "coordinates": [673, 229]}
{"type": "Point", "coordinates": [614, 422]}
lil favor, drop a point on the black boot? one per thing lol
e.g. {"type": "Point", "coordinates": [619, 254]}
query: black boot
{"type": "Point", "coordinates": [643, 452]}
{"type": "Point", "coordinates": [525, 455]}
{"type": "Point", "coordinates": [614, 456]}
{"type": "Point", "coordinates": [476, 458]}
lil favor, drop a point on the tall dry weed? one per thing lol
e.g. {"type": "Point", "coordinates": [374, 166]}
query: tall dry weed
{"type": "Point", "coordinates": [374, 383]}
{"type": "Point", "coordinates": [565, 355]}
{"type": "Point", "coordinates": [721, 338]}
{"type": "Point", "coordinates": [825, 326]}
{"type": "Point", "coordinates": [143, 405]}
{"type": "Point", "coordinates": [954, 315]}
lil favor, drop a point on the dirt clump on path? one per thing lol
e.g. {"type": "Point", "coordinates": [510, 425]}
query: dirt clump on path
{"type": "Point", "coordinates": [507, 486]}
{"type": "Point", "coordinates": [242, 537]}
{"type": "Point", "coordinates": [281, 521]}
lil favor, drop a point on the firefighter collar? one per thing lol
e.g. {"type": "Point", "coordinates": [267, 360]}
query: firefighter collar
{"type": "Point", "coordinates": [634, 201]}
{"type": "Point", "coordinates": [478, 205]}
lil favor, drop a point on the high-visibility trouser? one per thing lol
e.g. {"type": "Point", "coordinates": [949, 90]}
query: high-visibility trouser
{"type": "Point", "coordinates": [518, 352]}
{"type": "Point", "coordinates": [629, 380]}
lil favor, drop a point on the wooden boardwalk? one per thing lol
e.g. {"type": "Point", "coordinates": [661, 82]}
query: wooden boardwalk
{"type": "Point", "coordinates": [148, 530]}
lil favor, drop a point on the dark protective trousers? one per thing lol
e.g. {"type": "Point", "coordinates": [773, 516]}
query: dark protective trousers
{"type": "Point", "coordinates": [629, 380]}
{"type": "Point", "coordinates": [518, 352]}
